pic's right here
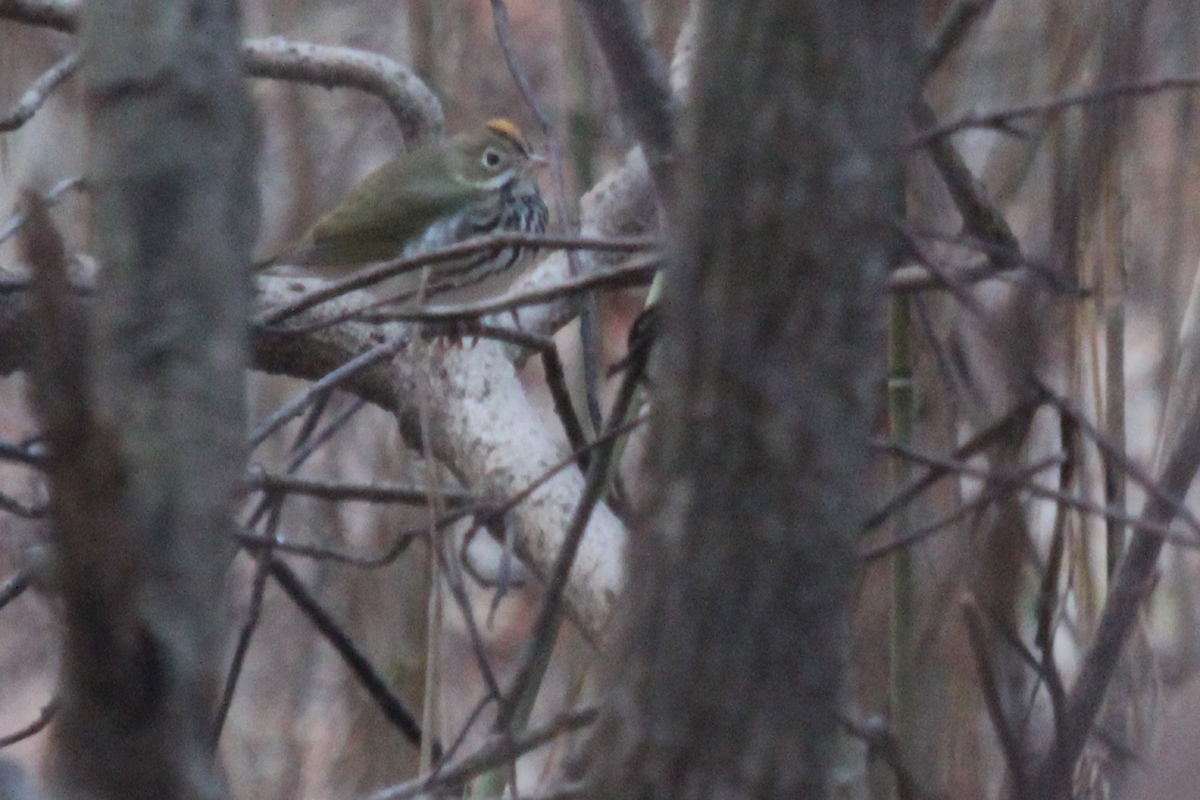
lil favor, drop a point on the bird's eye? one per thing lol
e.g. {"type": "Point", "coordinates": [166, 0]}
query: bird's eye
{"type": "Point", "coordinates": [491, 158]}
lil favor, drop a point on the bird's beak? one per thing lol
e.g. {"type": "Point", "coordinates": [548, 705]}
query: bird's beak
{"type": "Point", "coordinates": [538, 162]}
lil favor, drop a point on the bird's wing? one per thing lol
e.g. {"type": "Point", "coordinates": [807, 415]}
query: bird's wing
{"type": "Point", "coordinates": [392, 205]}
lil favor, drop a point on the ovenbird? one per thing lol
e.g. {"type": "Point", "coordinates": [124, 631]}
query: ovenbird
{"type": "Point", "coordinates": [469, 185]}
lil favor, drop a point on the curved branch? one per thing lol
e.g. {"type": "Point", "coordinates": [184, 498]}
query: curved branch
{"type": "Point", "coordinates": [415, 107]}
{"type": "Point", "coordinates": [482, 426]}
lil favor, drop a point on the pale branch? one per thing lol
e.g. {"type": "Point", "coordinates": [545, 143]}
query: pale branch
{"type": "Point", "coordinates": [38, 92]}
{"type": "Point", "coordinates": [55, 195]}
{"type": "Point", "coordinates": [482, 427]}
{"type": "Point", "coordinates": [415, 107]}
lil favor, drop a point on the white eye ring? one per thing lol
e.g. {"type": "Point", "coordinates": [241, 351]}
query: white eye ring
{"type": "Point", "coordinates": [491, 158]}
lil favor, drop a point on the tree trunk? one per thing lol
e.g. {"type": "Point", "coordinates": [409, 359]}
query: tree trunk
{"type": "Point", "coordinates": [147, 466]}
{"type": "Point", "coordinates": [728, 678]}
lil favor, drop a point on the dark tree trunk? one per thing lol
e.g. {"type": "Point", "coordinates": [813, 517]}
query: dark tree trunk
{"type": "Point", "coordinates": [148, 454]}
{"type": "Point", "coordinates": [729, 674]}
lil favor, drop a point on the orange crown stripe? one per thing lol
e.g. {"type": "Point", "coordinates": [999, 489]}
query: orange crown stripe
{"type": "Point", "coordinates": [504, 127]}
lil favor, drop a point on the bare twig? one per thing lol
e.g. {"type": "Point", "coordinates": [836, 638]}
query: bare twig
{"type": "Point", "coordinates": [44, 718]}
{"type": "Point", "coordinates": [954, 26]}
{"type": "Point", "coordinates": [333, 379]}
{"type": "Point", "coordinates": [1009, 744]}
{"type": "Point", "coordinates": [259, 541]}
{"type": "Point", "coordinates": [257, 590]}
{"type": "Point", "coordinates": [640, 77]}
{"type": "Point", "coordinates": [334, 491]}
{"type": "Point", "coordinates": [994, 433]}
{"type": "Point", "coordinates": [1127, 465]}
{"type": "Point", "coordinates": [1161, 532]}
{"type": "Point", "coordinates": [56, 193]}
{"type": "Point", "coordinates": [882, 744]}
{"type": "Point", "coordinates": [37, 93]}
{"type": "Point", "coordinates": [1002, 119]}
{"type": "Point", "coordinates": [391, 706]}
{"type": "Point", "coordinates": [372, 275]}
{"type": "Point", "coordinates": [979, 215]}
{"type": "Point", "coordinates": [985, 498]}
{"type": "Point", "coordinates": [22, 510]}
{"type": "Point", "coordinates": [524, 685]}
{"type": "Point", "coordinates": [15, 586]}
{"type": "Point", "coordinates": [498, 751]}
{"type": "Point", "coordinates": [61, 15]}
{"type": "Point", "coordinates": [638, 271]}
{"type": "Point", "coordinates": [1133, 578]}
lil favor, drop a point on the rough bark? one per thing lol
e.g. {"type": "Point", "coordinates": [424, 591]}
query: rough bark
{"type": "Point", "coordinates": [173, 217]}
{"type": "Point", "coordinates": [728, 680]}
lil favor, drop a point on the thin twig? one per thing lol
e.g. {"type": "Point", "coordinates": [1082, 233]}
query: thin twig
{"type": "Point", "coordinates": [995, 432]}
{"type": "Point", "coordinates": [334, 491]}
{"type": "Point", "coordinates": [38, 92]}
{"type": "Point", "coordinates": [637, 271]}
{"type": "Point", "coordinates": [1158, 531]}
{"type": "Point", "coordinates": [1009, 745]}
{"type": "Point", "coordinates": [1115, 454]}
{"type": "Point", "coordinates": [246, 633]}
{"type": "Point", "coordinates": [882, 744]}
{"type": "Point", "coordinates": [979, 215]}
{"type": "Point", "coordinates": [541, 640]}
{"type": "Point", "coordinates": [333, 379]}
{"type": "Point", "coordinates": [952, 30]}
{"type": "Point", "coordinates": [15, 586]}
{"type": "Point", "coordinates": [23, 510]}
{"type": "Point", "coordinates": [391, 706]}
{"type": "Point", "coordinates": [499, 750]}
{"type": "Point", "coordinates": [259, 541]}
{"type": "Point", "coordinates": [985, 498]}
{"type": "Point", "coordinates": [1002, 119]}
{"type": "Point", "coordinates": [1127, 590]}
{"type": "Point", "coordinates": [44, 718]}
{"type": "Point", "coordinates": [480, 244]}
{"type": "Point", "coordinates": [52, 198]}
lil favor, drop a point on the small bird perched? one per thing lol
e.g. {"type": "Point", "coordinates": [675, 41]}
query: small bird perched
{"type": "Point", "coordinates": [469, 185]}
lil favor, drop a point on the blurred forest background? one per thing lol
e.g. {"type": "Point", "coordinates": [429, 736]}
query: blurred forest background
{"type": "Point", "coordinates": [1015, 541]}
